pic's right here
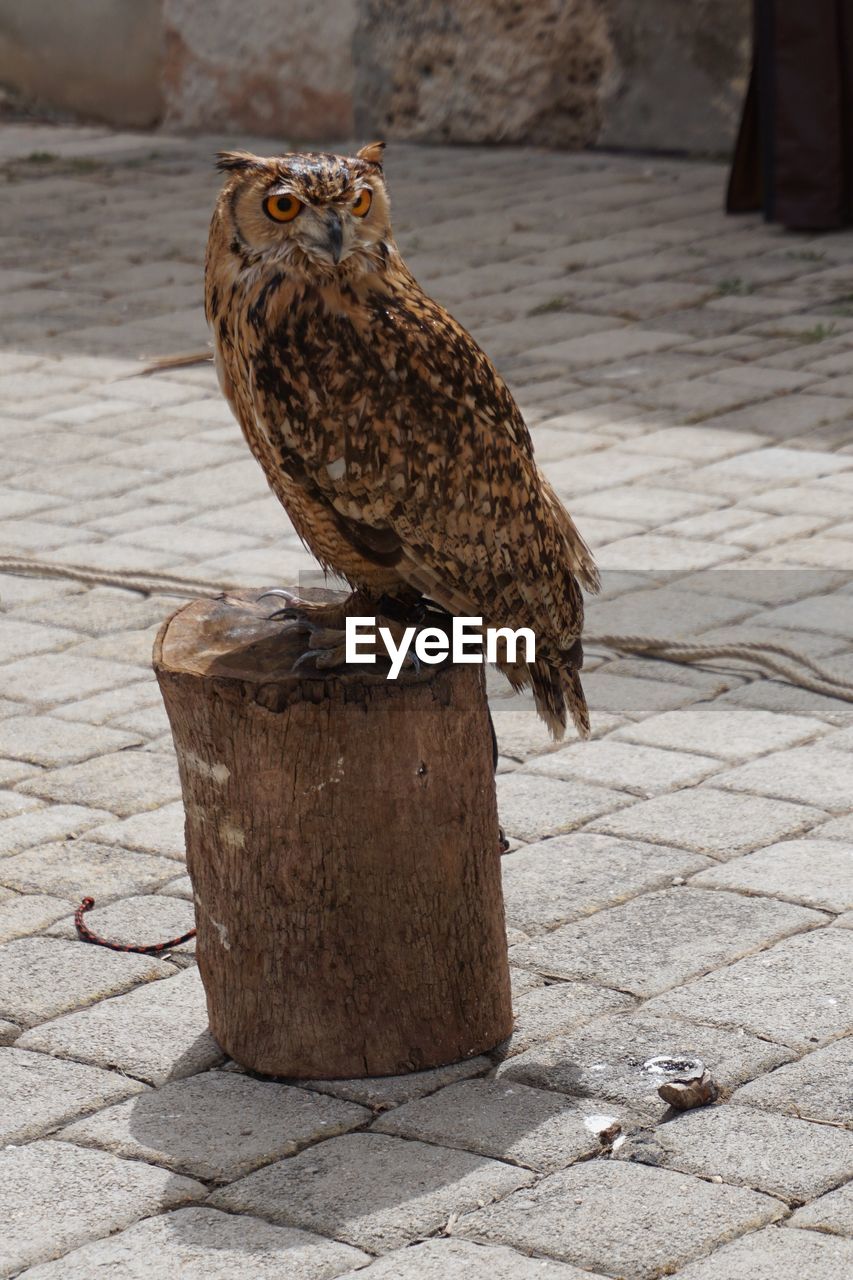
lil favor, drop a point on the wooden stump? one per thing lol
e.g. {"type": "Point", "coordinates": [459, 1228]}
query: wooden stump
{"type": "Point", "coordinates": [342, 841]}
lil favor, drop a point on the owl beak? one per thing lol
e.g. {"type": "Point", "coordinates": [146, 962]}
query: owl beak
{"type": "Point", "coordinates": [334, 234]}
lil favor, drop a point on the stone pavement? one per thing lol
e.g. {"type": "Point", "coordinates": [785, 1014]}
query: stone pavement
{"type": "Point", "coordinates": [682, 884]}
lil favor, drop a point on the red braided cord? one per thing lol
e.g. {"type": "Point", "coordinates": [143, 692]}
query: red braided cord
{"type": "Point", "coordinates": [154, 949]}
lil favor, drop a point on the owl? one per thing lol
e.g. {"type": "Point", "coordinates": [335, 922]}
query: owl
{"type": "Point", "coordinates": [387, 434]}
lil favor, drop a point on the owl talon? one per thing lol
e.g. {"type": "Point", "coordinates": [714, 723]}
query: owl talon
{"type": "Point", "coordinates": [281, 593]}
{"type": "Point", "coordinates": [291, 615]}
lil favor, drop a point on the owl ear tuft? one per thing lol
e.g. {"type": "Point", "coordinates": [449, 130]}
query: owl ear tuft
{"type": "Point", "coordinates": [372, 153]}
{"type": "Point", "coordinates": [237, 161]}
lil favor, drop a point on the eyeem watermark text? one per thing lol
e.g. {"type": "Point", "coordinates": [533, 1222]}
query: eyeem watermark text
{"type": "Point", "coordinates": [468, 641]}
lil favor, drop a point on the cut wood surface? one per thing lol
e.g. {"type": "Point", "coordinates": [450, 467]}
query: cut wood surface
{"type": "Point", "coordinates": [342, 841]}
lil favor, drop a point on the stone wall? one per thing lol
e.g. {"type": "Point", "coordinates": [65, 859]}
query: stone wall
{"type": "Point", "coordinates": [678, 73]}
{"type": "Point", "coordinates": [655, 74]}
{"type": "Point", "coordinates": [482, 71]}
{"type": "Point", "coordinates": [277, 67]}
{"type": "Point", "coordinates": [100, 59]}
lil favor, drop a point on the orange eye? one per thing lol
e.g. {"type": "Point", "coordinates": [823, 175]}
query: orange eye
{"type": "Point", "coordinates": [282, 208]}
{"type": "Point", "coordinates": [362, 202]}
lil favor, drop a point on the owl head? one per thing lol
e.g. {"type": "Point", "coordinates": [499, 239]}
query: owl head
{"type": "Point", "coordinates": [309, 210]}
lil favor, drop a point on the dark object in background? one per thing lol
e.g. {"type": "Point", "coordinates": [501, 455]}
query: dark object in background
{"type": "Point", "coordinates": [794, 154]}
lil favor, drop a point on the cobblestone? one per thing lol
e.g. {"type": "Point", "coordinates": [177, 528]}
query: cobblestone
{"type": "Point", "coordinates": [551, 1010]}
{"type": "Point", "coordinates": [98, 1193]}
{"type": "Point", "coordinates": [217, 1126]}
{"type": "Point", "coordinates": [157, 831]}
{"type": "Point", "coordinates": [641, 770]}
{"type": "Point", "coordinates": [775, 1254]}
{"type": "Point", "coordinates": [730, 733]}
{"type": "Point", "coordinates": [43, 977]}
{"type": "Point", "coordinates": [73, 869]}
{"type": "Point", "coordinates": [717, 823]}
{"type": "Point", "coordinates": [462, 1260]}
{"type": "Point", "coordinates": [605, 1058]}
{"type": "Point", "coordinates": [382, 1092]}
{"type": "Point", "coordinates": [531, 807]}
{"type": "Point", "coordinates": [794, 993]}
{"type": "Point", "coordinates": [48, 742]}
{"type": "Point", "coordinates": [567, 877]}
{"type": "Point", "coordinates": [41, 825]}
{"type": "Point", "coordinates": [370, 1190]}
{"type": "Point", "coordinates": [811, 775]}
{"type": "Point", "coordinates": [530, 1127]}
{"type": "Point", "coordinates": [832, 1213]}
{"type": "Point", "coordinates": [28, 913]}
{"type": "Point", "coordinates": [151, 1035]}
{"type": "Point", "coordinates": [149, 917]}
{"type": "Point", "coordinates": [654, 1220]}
{"type": "Point", "coordinates": [815, 1088]}
{"type": "Point", "coordinates": [40, 1093]}
{"type": "Point", "coordinates": [816, 873]}
{"type": "Point", "coordinates": [204, 1244]}
{"type": "Point", "coordinates": [659, 939]}
{"type": "Point", "coordinates": [125, 782]}
{"type": "Point", "coordinates": [777, 1154]}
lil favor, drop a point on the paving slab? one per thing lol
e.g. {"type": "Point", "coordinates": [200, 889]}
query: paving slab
{"type": "Point", "coordinates": [717, 823]}
{"type": "Point", "coordinates": [811, 775]}
{"type": "Point", "coordinates": [536, 1129]}
{"type": "Point", "coordinates": [793, 1159]}
{"type": "Point", "coordinates": [205, 1244]}
{"type": "Point", "coordinates": [24, 913]}
{"type": "Point", "coordinates": [370, 1190]}
{"type": "Point", "coordinates": [464, 1260]}
{"type": "Point", "coordinates": [817, 1087]}
{"type": "Point", "coordinates": [99, 1194]}
{"type": "Point", "coordinates": [43, 977]}
{"type": "Point", "coordinates": [75, 869]}
{"type": "Point", "coordinates": [51, 742]}
{"type": "Point", "coordinates": [157, 831]}
{"type": "Point", "coordinates": [151, 1034]}
{"type": "Point", "coordinates": [531, 807]}
{"type": "Point", "coordinates": [722, 730]}
{"type": "Point", "coordinates": [566, 877]}
{"type": "Point", "coordinates": [654, 1219]}
{"type": "Point", "coordinates": [832, 1213]}
{"type": "Point", "coordinates": [640, 770]}
{"type": "Point", "coordinates": [553, 1009]}
{"type": "Point", "coordinates": [124, 782]}
{"type": "Point", "coordinates": [9, 1031]}
{"type": "Point", "coordinates": [813, 872]}
{"type": "Point", "coordinates": [40, 1093]}
{"type": "Point", "coordinates": [51, 678]}
{"type": "Point", "coordinates": [797, 993]}
{"type": "Point", "coordinates": [660, 939]}
{"type": "Point", "coordinates": [217, 1125]}
{"type": "Point", "coordinates": [41, 826]}
{"type": "Point", "coordinates": [12, 804]}
{"type": "Point", "coordinates": [382, 1092]}
{"type": "Point", "coordinates": [604, 1059]}
{"type": "Point", "coordinates": [776, 1253]}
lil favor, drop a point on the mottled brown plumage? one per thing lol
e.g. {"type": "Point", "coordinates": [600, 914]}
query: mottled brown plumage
{"type": "Point", "coordinates": [394, 445]}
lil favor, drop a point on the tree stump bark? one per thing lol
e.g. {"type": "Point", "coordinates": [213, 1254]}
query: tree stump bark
{"type": "Point", "coordinates": [342, 842]}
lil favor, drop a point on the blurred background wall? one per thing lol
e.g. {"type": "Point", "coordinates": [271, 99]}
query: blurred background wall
{"type": "Point", "coordinates": [655, 74]}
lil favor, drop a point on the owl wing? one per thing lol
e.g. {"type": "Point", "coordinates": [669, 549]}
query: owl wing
{"type": "Point", "coordinates": [416, 443]}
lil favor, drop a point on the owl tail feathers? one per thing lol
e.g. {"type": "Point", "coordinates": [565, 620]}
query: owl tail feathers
{"type": "Point", "coordinates": [579, 558]}
{"type": "Point", "coordinates": [557, 692]}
